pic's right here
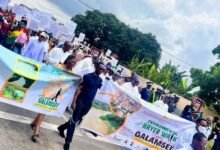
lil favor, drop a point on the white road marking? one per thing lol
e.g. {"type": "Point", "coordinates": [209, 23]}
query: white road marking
{"type": "Point", "coordinates": [49, 126]}
{"type": "Point", "coordinates": [65, 118]}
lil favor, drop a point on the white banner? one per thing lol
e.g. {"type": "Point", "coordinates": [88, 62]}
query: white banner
{"type": "Point", "coordinates": [35, 86]}
{"type": "Point", "coordinates": [131, 122]}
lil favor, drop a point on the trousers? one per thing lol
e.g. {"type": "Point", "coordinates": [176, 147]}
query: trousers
{"type": "Point", "coordinates": [80, 111]}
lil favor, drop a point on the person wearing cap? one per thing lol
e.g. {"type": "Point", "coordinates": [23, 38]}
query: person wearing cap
{"type": "Point", "coordinates": [58, 55]}
{"type": "Point", "coordinates": [125, 77]}
{"type": "Point", "coordinates": [36, 48]}
{"type": "Point", "coordinates": [162, 104]}
{"type": "Point", "coordinates": [132, 86]}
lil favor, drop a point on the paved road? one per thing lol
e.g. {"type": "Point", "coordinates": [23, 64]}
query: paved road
{"type": "Point", "coordinates": [15, 133]}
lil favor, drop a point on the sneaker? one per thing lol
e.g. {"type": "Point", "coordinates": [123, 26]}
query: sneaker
{"type": "Point", "coordinates": [66, 146]}
{"type": "Point", "coordinates": [61, 132]}
{"type": "Point", "coordinates": [35, 138]}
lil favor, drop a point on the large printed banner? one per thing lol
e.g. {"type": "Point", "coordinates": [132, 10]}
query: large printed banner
{"type": "Point", "coordinates": [35, 86]}
{"type": "Point", "coordinates": [131, 122]}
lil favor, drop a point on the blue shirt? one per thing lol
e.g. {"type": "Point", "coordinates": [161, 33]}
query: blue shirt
{"type": "Point", "coordinates": [145, 94]}
{"type": "Point", "coordinates": [91, 83]}
{"type": "Point", "coordinates": [34, 50]}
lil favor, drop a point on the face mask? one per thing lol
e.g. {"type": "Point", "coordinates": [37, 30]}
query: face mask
{"type": "Point", "coordinates": [202, 129]}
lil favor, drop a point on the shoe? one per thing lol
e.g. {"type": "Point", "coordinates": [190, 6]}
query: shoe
{"type": "Point", "coordinates": [35, 138]}
{"type": "Point", "coordinates": [61, 132]}
{"type": "Point", "coordinates": [66, 146]}
{"type": "Point", "coordinates": [33, 126]}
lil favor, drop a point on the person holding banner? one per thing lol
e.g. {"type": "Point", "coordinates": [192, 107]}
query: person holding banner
{"type": "Point", "coordinates": [82, 102]}
{"type": "Point", "coordinates": [199, 142]}
{"type": "Point", "coordinates": [69, 63]}
{"type": "Point", "coordinates": [187, 136]}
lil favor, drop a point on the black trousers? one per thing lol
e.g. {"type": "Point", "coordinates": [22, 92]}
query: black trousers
{"type": "Point", "coordinates": [80, 110]}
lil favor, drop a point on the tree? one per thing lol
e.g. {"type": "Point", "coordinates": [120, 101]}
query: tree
{"type": "Point", "coordinates": [139, 66]}
{"type": "Point", "coordinates": [105, 31]}
{"type": "Point", "coordinates": [216, 51]}
{"type": "Point", "coordinates": [209, 83]}
{"type": "Point", "coordinates": [197, 76]}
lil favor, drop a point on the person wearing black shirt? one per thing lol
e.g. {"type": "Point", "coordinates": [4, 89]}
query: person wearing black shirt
{"type": "Point", "coordinates": [187, 112]}
{"type": "Point", "coordinates": [216, 136]}
{"type": "Point", "coordinates": [82, 102]}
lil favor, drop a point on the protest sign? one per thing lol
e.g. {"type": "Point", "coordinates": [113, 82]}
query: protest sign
{"type": "Point", "coordinates": [33, 25]}
{"type": "Point", "coordinates": [108, 53]}
{"type": "Point", "coordinates": [131, 122]}
{"type": "Point", "coordinates": [114, 62]}
{"type": "Point", "coordinates": [76, 41]}
{"type": "Point", "coordinates": [35, 86]}
{"type": "Point", "coordinates": [81, 37]}
{"type": "Point", "coordinates": [197, 104]}
{"type": "Point", "coordinates": [53, 28]}
{"type": "Point", "coordinates": [4, 3]}
{"type": "Point", "coordinates": [22, 11]}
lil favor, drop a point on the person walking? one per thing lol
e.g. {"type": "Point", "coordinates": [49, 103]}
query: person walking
{"type": "Point", "coordinates": [35, 48]}
{"type": "Point", "coordinates": [216, 136]}
{"type": "Point", "coordinates": [35, 125]}
{"type": "Point", "coordinates": [82, 102]}
{"type": "Point", "coordinates": [199, 142]}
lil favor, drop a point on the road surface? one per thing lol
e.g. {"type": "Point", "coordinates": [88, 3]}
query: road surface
{"type": "Point", "coordinates": [15, 133]}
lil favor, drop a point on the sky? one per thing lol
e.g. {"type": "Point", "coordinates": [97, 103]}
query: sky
{"type": "Point", "coordinates": [186, 30]}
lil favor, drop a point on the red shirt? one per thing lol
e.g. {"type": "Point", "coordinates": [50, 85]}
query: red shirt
{"type": "Point", "coordinates": [5, 27]}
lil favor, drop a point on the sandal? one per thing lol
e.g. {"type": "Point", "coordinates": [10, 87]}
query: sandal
{"type": "Point", "coordinates": [35, 138]}
{"type": "Point", "coordinates": [33, 126]}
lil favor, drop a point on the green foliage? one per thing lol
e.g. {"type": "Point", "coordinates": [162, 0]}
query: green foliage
{"type": "Point", "coordinates": [169, 77]}
{"type": "Point", "coordinates": [141, 67]}
{"type": "Point", "coordinates": [101, 106]}
{"type": "Point", "coordinates": [113, 120]}
{"type": "Point", "coordinates": [12, 92]}
{"type": "Point", "coordinates": [197, 76]}
{"type": "Point", "coordinates": [209, 83]}
{"type": "Point", "coordinates": [104, 30]}
{"type": "Point", "coordinates": [216, 51]}
{"type": "Point", "coordinates": [153, 73]}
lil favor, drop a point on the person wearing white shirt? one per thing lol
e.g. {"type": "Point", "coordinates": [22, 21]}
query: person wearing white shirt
{"type": "Point", "coordinates": [132, 86]}
{"type": "Point", "coordinates": [209, 121]}
{"type": "Point", "coordinates": [59, 55]}
{"type": "Point", "coordinates": [162, 104]}
{"type": "Point", "coordinates": [199, 142]}
{"type": "Point", "coordinates": [186, 137]}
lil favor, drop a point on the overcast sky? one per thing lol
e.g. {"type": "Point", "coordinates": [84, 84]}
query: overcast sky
{"type": "Point", "coordinates": [188, 30]}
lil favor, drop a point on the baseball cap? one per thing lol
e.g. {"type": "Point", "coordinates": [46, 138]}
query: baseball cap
{"type": "Point", "coordinates": [43, 34]}
{"type": "Point", "coordinates": [126, 74]}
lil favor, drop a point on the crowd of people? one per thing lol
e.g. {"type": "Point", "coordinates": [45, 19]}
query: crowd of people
{"type": "Point", "coordinates": [43, 47]}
